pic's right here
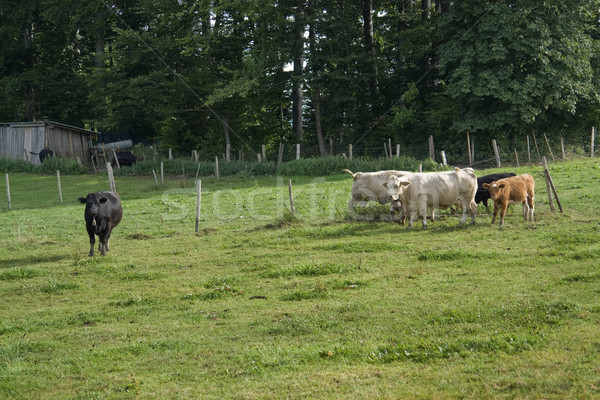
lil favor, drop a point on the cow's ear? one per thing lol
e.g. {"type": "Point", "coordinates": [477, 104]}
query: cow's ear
{"type": "Point", "coordinates": [103, 199]}
{"type": "Point", "coordinates": [486, 185]}
{"type": "Point", "coordinates": [405, 183]}
{"type": "Point", "coordinates": [81, 200]}
{"type": "Point", "coordinates": [501, 185]}
{"type": "Point", "coordinates": [385, 184]}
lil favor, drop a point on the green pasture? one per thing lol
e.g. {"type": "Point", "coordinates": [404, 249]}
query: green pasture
{"type": "Point", "coordinates": [260, 304]}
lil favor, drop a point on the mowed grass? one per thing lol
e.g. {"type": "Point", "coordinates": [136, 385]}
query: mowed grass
{"type": "Point", "coordinates": [260, 304]}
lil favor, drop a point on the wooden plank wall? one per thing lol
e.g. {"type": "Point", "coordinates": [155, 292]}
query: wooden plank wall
{"type": "Point", "coordinates": [16, 142]}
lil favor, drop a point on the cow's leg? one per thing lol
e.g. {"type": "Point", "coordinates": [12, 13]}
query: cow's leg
{"type": "Point", "coordinates": [473, 207]}
{"type": "Point", "coordinates": [502, 213]}
{"type": "Point", "coordinates": [496, 209]}
{"type": "Point", "coordinates": [92, 234]}
{"type": "Point", "coordinates": [531, 206]}
{"type": "Point", "coordinates": [525, 210]}
{"type": "Point", "coordinates": [423, 213]}
{"type": "Point", "coordinates": [106, 247]}
{"type": "Point", "coordinates": [102, 238]}
{"type": "Point", "coordinates": [411, 218]}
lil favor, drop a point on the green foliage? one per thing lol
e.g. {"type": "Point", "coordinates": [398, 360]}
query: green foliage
{"type": "Point", "coordinates": [49, 166]}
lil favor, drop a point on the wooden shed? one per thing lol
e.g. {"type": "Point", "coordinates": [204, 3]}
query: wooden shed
{"type": "Point", "coordinates": [18, 140]}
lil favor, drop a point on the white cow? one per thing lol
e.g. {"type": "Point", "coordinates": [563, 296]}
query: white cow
{"type": "Point", "coordinates": [368, 186]}
{"type": "Point", "coordinates": [417, 191]}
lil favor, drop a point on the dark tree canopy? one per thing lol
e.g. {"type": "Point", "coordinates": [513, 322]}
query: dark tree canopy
{"type": "Point", "coordinates": [200, 74]}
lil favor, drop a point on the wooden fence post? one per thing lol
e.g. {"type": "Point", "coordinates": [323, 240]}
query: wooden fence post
{"type": "Point", "coordinates": [162, 174]}
{"type": "Point", "coordinates": [420, 167]}
{"type": "Point", "coordinates": [170, 154]}
{"type": "Point", "coordinates": [528, 151]}
{"type": "Point", "coordinates": [592, 142]}
{"type": "Point", "coordinates": [562, 147]}
{"type": "Point", "coordinates": [116, 159]}
{"type": "Point", "coordinates": [496, 153]}
{"type": "Point", "coordinates": [431, 148]}
{"type": "Point", "coordinates": [350, 150]}
{"type": "Point", "coordinates": [550, 185]}
{"type": "Point", "coordinates": [469, 149]}
{"type": "Point", "coordinates": [385, 149]}
{"type": "Point", "coordinates": [111, 178]}
{"type": "Point", "coordinates": [549, 149]}
{"type": "Point", "coordinates": [59, 187]}
{"type": "Point", "coordinates": [8, 192]}
{"type": "Point", "coordinates": [217, 168]}
{"type": "Point", "coordinates": [198, 203]}
{"type": "Point", "coordinates": [390, 146]}
{"type": "Point", "coordinates": [297, 151]}
{"type": "Point", "coordinates": [264, 152]}
{"type": "Point", "coordinates": [537, 149]}
{"type": "Point", "coordinates": [292, 208]}
{"type": "Point", "coordinates": [517, 157]}
{"type": "Point", "coordinates": [397, 150]}
{"type": "Point", "coordinates": [155, 179]}
{"type": "Point", "coordinates": [444, 157]}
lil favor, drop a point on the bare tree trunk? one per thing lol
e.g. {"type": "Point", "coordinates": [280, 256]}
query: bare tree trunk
{"type": "Point", "coordinates": [316, 100]}
{"type": "Point", "coordinates": [297, 91]}
{"type": "Point", "coordinates": [368, 29]}
{"type": "Point", "coordinates": [28, 37]}
{"type": "Point", "coordinates": [425, 9]}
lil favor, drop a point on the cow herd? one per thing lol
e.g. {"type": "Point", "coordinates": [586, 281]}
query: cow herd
{"type": "Point", "coordinates": [409, 193]}
{"type": "Point", "coordinates": [412, 194]}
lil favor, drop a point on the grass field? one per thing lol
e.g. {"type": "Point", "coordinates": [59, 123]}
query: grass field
{"type": "Point", "coordinates": [260, 304]}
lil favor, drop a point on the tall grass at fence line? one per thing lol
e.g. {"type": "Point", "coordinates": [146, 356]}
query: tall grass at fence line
{"type": "Point", "coordinates": [49, 166]}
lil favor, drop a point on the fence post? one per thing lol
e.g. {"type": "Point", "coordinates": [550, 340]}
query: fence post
{"type": "Point", "coordinates": [528, 151]}
{"type": "Point", "coordinates": [170, 154]}
{"type": "Point", "coordinates": [592, 142]}
{"type": "Point", "coordinates": [111, 178]}
{"type": "Point", "coordinates": [397, 150]}
{"type": "Point", "coordinates": [517, 157]}
{"type": "Point", "coordinates": [8, 192]}
{"type": "Point", "coordinates": [549, 149]}
{"type": "Point", "coordinates": [537, 149]}
{"type": "Point", "coordinates": [162, 174]}
{"type": "Point", "coordinates": [549, 180]}
{"type": "Point", "coordinates": [116, 159]}
{"type": "Point", "coordinates": [155, 179]}
{"type": "Point", "coordinates": [562, 147]}
{"type": "Point", "coordinates": [469, 149]}
{"type": "Point", "coordinates": [420, 167]}
{"type": "Point", "coordinates": [390, 146]}
{"type": "Point", "coordinates": [350, 151]}
{"type": "Point", "coordinates": [198, 202]}
{"type": "Point", "coordinates": [217, 168]}
{"type": "Point", "coordinates": [297, 151]}
{"type": "Point", "coordinates": [292, 209]}
{"type": "Point", "coordinates": [496, 153]}
{"type": "Point", "coordinates": [444, 157]}
{"type": "Point", "coordinates": [431, 148]}
{"type": "Point", "coordinates": [264, 152]}
{"type": "Point", "coordinates": [59, 187]}
{"type": "Point", "coordinates": [548, 189]}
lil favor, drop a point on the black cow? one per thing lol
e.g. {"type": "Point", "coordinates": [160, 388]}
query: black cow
{"type": "Point", "coordinates": [482, 195]}
{"type": "Point", "coordinates": [125, 158]}
{"type": "Point", "coordinates": [103, 212]}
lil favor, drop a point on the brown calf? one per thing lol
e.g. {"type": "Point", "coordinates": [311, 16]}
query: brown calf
{"type": "Point", "coordinates": [516, 189]}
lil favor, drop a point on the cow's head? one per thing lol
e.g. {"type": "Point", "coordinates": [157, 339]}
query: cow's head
{"type": "Point", "coordinates": [92, 205]}
{"type": "Point", "coordinates": [494, 188]}
{"type": "Point", "coordinates": [395, 186]}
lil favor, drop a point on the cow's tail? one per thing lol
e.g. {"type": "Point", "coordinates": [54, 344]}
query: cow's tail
{"type": "Point", "coordinates": [350, 172]}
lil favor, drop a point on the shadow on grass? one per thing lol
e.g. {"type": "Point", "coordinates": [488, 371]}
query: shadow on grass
{"type": "Point", "coordinates": [28, 261]}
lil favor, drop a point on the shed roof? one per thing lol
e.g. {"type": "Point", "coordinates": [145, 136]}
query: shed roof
{"type": "Point", "coordinates": [50, 124]}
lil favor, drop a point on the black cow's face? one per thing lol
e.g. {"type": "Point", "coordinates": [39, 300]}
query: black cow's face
{"type": "Point", "coordinates": [92, 203]}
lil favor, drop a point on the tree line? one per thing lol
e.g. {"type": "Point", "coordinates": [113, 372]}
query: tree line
{"type": "Point", "coordinates": [217, 74]}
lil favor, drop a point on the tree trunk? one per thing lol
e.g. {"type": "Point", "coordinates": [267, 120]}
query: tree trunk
{"type": "Point", "coordinates": [297, 95]}
{"type": "Point", "coordinates": [316, 100]}
{"type": "Point", "coordinates": [370, 48]}
{"type": "Point", "coordinates": [425, 9]}
{"type": "Point", "coordinates": [28, 37]}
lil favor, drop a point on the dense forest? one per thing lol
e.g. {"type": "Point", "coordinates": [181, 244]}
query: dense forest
{"type": "Point", "coordinates": [200, 74]}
